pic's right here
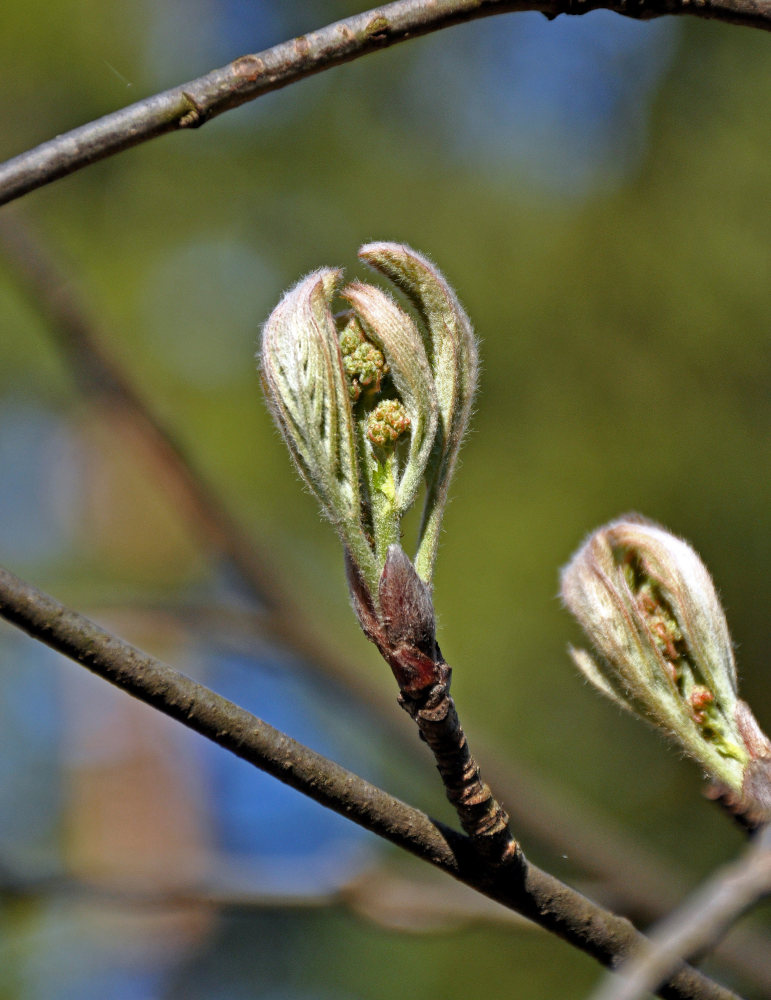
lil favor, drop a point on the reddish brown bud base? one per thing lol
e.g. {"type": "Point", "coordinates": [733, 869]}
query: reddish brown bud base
{"type": "Point", "coordinates": [404, 630]}
{"type": "Point", "coordinates": [409, 625]}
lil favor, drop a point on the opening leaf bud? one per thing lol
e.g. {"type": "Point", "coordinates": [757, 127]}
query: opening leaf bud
{"type": "Point", "coordinates": [372, 405]}
{"type": "Point", "coordinates": [661, 644]}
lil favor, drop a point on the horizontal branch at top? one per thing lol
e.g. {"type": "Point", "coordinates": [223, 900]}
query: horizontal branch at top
{"type": "Point", "coordinates": [192, 104]}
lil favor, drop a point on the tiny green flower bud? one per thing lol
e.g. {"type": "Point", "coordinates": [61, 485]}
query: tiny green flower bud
{"type": "Point", "coordinates": [662, 647]}
{"type": "Point", "coordinates": [394, 332]}
{"type": "Point", "coordinates": [364, 364]}
{"type": "Point", "coordinates": [387, 422]}
{"type": "Point", "coordinates": [453, 356]}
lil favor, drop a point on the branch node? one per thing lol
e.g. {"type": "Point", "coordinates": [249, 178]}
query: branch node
{"type": "Point", "coordinates": [195, 116]}
{"type": "Point", "coordinates": [377, 29]}
{"type": "Point", "coordinates": [480, 814]}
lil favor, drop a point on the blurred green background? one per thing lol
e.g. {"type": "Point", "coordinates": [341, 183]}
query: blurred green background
{"type": "Point", "coordinates": [596, 190]}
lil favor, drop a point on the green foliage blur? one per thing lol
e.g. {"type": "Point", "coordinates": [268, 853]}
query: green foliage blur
{"type": "Point", "coordinates": [624, 335]}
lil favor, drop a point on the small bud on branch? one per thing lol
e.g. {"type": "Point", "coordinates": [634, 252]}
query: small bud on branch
{"type": "Point", "coordinates": [662, 649]}
{"type": "Point", "coordinates": [370, 413]}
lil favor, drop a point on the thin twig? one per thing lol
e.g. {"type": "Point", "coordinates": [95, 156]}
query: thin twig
{"type": "Point", "coordinates": [376, 894]}
{"type": "Point", "coordinates": [480, 813]}
{"type": "Point", "coordinates": [518, 884]}
{"type": "Point", "coordinates": [634, 879]}
{"type": "Point", "coordinates": [103, 380]}
{"type": "Point", "coordinates": [698, 924]}
{"type": "Point", "coordinates": [403, 627]}
{"type": "Point", "coordinates": [194, 103]}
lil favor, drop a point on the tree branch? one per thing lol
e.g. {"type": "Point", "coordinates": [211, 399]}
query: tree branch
{"type": "Point", "coordinates": [699, 923]}
{"type": "Point", "coordinates": [192, 104]}
{"type": "Point", "coordinates": [517, 885]}
{"type": "Point", "coordinates": [636, 881]}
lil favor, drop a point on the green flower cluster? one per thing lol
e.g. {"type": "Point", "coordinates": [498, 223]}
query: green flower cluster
{"type": "Point", "coordinates": [364, 364]}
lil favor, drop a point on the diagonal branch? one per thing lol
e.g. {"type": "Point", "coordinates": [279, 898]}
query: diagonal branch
{"type": "Point", "coordinates": [101, 379]}
{"type": "Point", "coordinates": [638, 882]}
{"type": "Point", "coordinates": [517, 885]}
{"type": "Point", "coordinates": [699, 923]}
{"type": "Point", "coordinates": [192, 104]}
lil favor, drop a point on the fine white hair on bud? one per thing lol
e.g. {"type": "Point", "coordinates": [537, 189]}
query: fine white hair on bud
{"type": "Point", "coordinates": [453, 357]}
{"type": "Point", "coordinates": [307, 391]}
{"type": "Point", "coordinates": [394, 332]}
{"type": "Point", "coordinates": [373, 402]}
{"type": "Point", "coordinates": [661, 644]}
